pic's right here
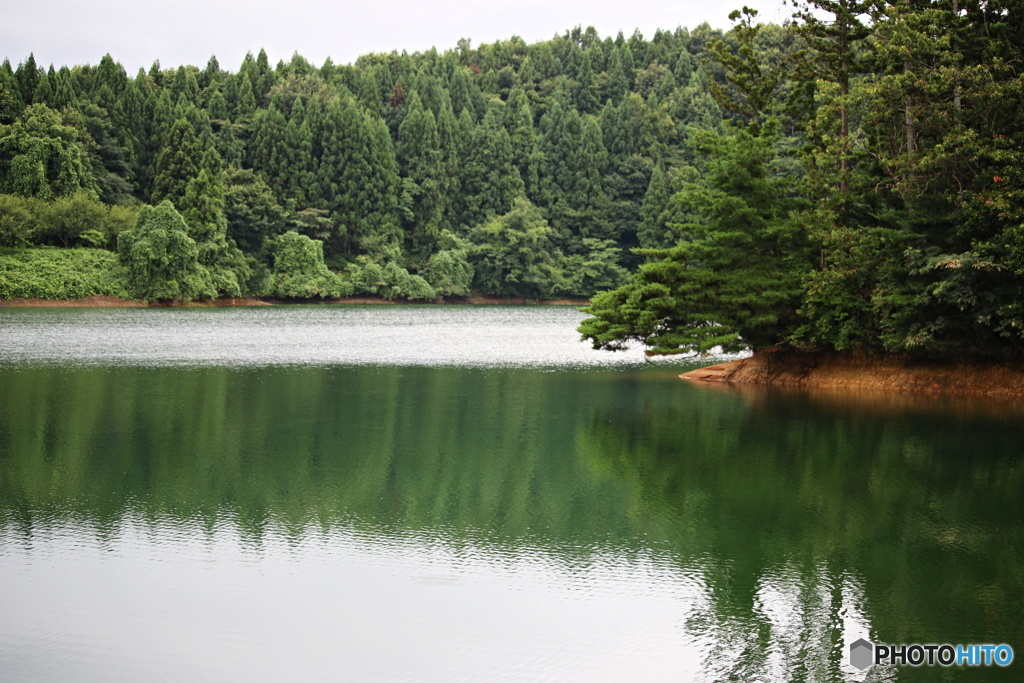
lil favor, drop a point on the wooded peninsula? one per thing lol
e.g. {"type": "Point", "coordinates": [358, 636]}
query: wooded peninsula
{"type": "Point", "coordinates": [851, 180]}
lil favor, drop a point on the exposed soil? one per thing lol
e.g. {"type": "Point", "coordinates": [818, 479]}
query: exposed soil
{"type": "Point", "coordinates": [834, 370]}
{"type": "Point", "coordinates": [485, 300]}
{"type": "Point", "coordinates": [471, 300]}
{"type": "Point", "coordinates": [225, 302]}
{"type": "Point", "coordinates": [88, 302]}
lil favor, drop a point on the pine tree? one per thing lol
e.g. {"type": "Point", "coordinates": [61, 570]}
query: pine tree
{"type": "Point", "coordinates": [834, 52]}
{"type": "Point", "coordinates": [736, 283]}
{"type": "Point", "coordinates": [358, 177]}
{"type": "Point", "coordinates": [299, 162]}
{"type": "Point", "coordinates": [521, 133]}
{"type": "Point", "coordinates": [11, 103]}
{"type": "Point", "coordinates": [490, 180]}
{"type": "Point", "coordinates": [653, 233]}
{"type": "Point", "coordinates": [420, 162]}
{"type": "Point", "coordinates": [177, 163]}
{"type": "Point", "coordinates": [585, 93]}
{"type": "Point", "coordinates": [27, 75]}
{"type": "Point", "coordinates": [267, 151]}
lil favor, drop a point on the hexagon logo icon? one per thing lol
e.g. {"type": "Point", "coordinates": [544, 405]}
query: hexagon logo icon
{"type": "Point", "coordinates": [860, 653]}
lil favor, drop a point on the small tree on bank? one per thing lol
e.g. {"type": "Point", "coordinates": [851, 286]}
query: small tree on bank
{"type": "Point", "coordinates": [161, 259]}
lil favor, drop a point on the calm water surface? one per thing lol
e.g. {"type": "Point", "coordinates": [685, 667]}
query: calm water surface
{"type": "Point", "coordinates": [401, 493]}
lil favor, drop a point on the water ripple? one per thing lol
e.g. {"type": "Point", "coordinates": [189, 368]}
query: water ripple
{"type": "Point", "coordinates": [467, 336]}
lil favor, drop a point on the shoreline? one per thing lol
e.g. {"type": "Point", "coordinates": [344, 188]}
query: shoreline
{"type": "Point", "coordinates": [848, 371]}
{"type": "Point", "coordinates": [115, 302]}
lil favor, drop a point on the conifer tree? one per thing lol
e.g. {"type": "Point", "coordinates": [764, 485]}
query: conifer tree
{"type": "Point", "coordinates": [490, 180]}
{"type": "Point", "coordinates": [185, 86]}
{"type": "Point", "coordinates": [44, 92]}
{"type": "Point", "coordinates": [177, 163]}
{"type": "Point", "coordinates": [834, 52]}
{"type": "Point", "coordinates": [27, 75]}
{"type": "Point", "coordinates": [202, 208]}
{"type": "Point", "coordinates": [299, 162]}
{"type": "Point", "coordinates": [521, 132]}
{"type": "Point", "coordinates": [211, 77]}
{"type": "Point", "coordinates": [252, 212]}
{"type": "Point", "coordinates": [465, 95]}
{"type": "Point", "coordinates": [558, 134]}
{"type": "Point", "coordinates": [420, 162]}
{"type": "Point", "coordinates": [64, 96]}
{"type": "Point", "coordinates": [262, 77]}
{"type": "Point", "coordinates": [267, 151]}
{"type": "Point", "coordinates": [245, 105]}
{"type": "Point", "coordinates": [202, 204]}
{"type": "Point", "coordinates": [217, 106]}
{"type": "Point", "coordinates": [585, 93]}
{"type": "Point", "coordinates": [11, 103]}
{"type": "Point", "coordinates": [358, 177]}
{"type": "Point", "coordinates": [588, 196]}
{"type": "Point", "coordinates": [736, 283]}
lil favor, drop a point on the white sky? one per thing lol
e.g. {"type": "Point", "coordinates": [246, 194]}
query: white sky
{"type": "Point", "coordinates": [136, 32]}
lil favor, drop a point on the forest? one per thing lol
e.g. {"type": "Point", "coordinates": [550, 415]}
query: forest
{"type": "Point", "coordinates": [853, 179]}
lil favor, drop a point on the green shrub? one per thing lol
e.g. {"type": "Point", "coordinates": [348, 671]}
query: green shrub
{"type": "Point", "coordinates": [42, 273]}
{"type": "Point", "coordinates": [76, 220]}
{"type": "Point", "coordinates": [299, 271]}
{"type": "Point", "coordinates": [389, 280]}
{"type": "Point", "coordinates": [19, 220]}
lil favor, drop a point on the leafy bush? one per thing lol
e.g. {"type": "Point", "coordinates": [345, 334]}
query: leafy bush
{"type": "Point", "coordinates": [299, 270]}
{"type": "Point", "coordinates": [73, 218]}
{"type": "Point", "coordinates": [449, 271]}
{"type": "Point", "coordinates": [19, 219]}
{"type": "Point", "coordinates": [71, 221]}
{"type": "Point", "coordinates": [388, 280]}
{"type": "Point", "coordinates": [43, 273]}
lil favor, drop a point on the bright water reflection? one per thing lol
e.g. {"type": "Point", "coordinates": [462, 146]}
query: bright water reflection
{"type": "Point", "coordinates": [458, 519]}
{"type": "Point", "coordinates": [464, 336]}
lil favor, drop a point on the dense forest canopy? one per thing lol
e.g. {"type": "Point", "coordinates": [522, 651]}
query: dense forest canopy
{"type": "Point", "coordinates": [849, 180]}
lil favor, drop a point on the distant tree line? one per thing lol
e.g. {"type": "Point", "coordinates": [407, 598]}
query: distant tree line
{"type": "Point", "coordinates": [507, 169]}
{"type": "Point", "coordinates": [850, 180]}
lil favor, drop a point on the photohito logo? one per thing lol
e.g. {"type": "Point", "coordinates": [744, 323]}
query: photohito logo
{"type": "Point", "coordinates": [864, 654]}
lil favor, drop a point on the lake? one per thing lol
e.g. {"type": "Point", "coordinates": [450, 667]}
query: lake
{"type": "Point", "coordinates": [449, 493]}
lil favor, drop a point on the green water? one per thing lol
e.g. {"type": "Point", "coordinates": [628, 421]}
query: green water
{"type": "Point", "coordinates": [452, 515]}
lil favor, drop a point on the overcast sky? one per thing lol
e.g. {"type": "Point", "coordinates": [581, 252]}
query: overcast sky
{"type": "Point", "coordinates": [136, 32]}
